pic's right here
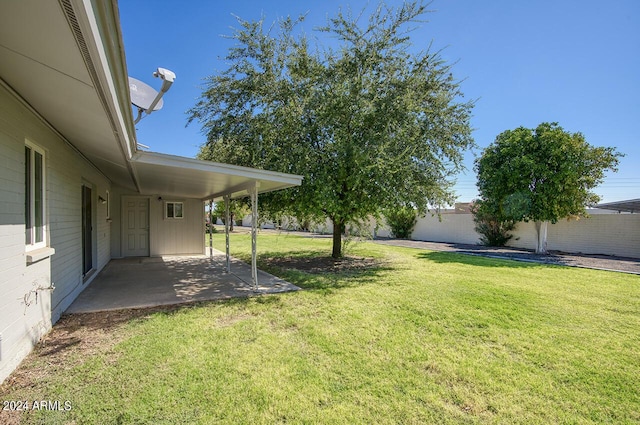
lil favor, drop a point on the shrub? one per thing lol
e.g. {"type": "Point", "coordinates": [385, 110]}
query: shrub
{"type": "Point", "coordinates": [494, 230]}
{"type": "Point", "coordinates": [401, 221]}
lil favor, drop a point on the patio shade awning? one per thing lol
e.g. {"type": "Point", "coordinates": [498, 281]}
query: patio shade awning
{"type": "Point", "coordinates": [631, 205]}
{"type": "Point", "coordinates": [193, 178]}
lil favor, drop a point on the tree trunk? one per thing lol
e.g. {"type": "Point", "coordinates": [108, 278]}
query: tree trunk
{"type": "Point", "coordinates": [232, 217]}
{"type": "Point", "coordinates": [338, 227]}
{"type": "Point", "coordinates": [541, 228]}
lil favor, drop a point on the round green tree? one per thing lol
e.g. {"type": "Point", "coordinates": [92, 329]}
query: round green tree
{"type": "Point", "coordinates": [368, 122]}
{"type": "Point", "coordinates": [541, 175]}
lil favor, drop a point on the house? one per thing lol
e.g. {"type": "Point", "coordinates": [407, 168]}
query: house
{"type": "Point", "coordinates": [75, 191]}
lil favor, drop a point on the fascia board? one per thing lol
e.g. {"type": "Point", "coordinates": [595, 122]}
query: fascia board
{"type": "Point", "coordinates": [112, 84]}
{"type": "Point", "coordinates": [215, 167]}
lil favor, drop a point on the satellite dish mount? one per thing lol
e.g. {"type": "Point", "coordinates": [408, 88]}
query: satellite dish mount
{"type": "Point", "coordinates": [145, 98]}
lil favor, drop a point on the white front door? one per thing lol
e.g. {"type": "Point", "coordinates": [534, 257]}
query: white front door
{"type": "Point", "coordinates": [135, 213]}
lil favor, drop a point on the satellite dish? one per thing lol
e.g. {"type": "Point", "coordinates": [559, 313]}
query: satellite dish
{"type": "Point", "coordinates": [147, 99]}
{"type": "Point", "coordinates": [143, 95]}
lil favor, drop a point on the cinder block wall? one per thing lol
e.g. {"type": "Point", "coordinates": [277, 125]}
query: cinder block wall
{"type": "Point", "coordinates": [449, 228]}
{"type": "Point", "coordinates": [609, 234]}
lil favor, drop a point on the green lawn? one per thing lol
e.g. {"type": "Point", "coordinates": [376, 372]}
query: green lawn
{"type": "Point", "coordinates": [416, 337]}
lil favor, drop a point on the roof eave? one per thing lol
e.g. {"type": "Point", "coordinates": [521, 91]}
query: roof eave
{"type": "Point", "coordinates": [103, 35]}
{"type": "Point", "coordinates": [244, 178]}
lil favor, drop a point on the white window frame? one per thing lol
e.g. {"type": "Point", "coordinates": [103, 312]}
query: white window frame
{"type": "Point", "coordinates": [173, 216]}
{"type": "Point", "coordinates": [32, 199]}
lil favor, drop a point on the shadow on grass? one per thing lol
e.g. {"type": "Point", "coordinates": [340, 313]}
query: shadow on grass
{"type": "Point", "coordinates": [313, 270]}
{"type": "Point", "coordinates": [474, 259]}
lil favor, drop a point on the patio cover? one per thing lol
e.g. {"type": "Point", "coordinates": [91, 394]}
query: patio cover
{"type": "Point", "coordinates": [192, 178]}
{"type": "Point", "coordinates": [631, 205]}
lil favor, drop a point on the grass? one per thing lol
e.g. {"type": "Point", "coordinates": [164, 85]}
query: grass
{"type": "Point", "coordinates": [416, 337]}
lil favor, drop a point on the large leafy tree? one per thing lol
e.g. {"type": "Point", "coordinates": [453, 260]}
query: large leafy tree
{"type": "Point", "coordinates": [541, 175]}
{"type": "Point", "coordinates": [370, 125]}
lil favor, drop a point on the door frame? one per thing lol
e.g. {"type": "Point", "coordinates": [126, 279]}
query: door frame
{"type": "Point", "coordinates": [124, 221]}
{"type": "Point", "coordinates": [88, 231]}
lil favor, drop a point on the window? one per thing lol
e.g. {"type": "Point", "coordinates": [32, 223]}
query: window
{"type": "Point", "coordinates": [34, 197]}
{"type": "Point", "coordinates": [174, 210]}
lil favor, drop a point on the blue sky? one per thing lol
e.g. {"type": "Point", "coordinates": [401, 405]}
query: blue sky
{"type": "Point", "coordinates": [575, 62]}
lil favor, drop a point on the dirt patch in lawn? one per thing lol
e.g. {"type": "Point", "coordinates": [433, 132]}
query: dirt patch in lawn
{"type": "Point", "coordinates": [70, 342]}
{"type": "Point", "coordinates": [322, 265]}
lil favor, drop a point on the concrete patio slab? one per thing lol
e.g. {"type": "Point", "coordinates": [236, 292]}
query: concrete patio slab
{"type": "Point", "coordinates": [151, 281]}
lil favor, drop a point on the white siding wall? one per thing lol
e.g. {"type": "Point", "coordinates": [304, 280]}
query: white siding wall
{"type": "Point", "coordinates": [23, 321]}
{"type": "Point", "coordinates": [67, 175]}
{"type": "Point", "coordinates": [177, 236]}
{"type": "Point", "coordinates": [166, 236]}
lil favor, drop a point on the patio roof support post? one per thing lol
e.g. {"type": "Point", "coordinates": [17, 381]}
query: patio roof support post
{"type": "Point", "coordinates": [211, 229]}
{"type": "Point", "coordinates": [254, 236]}
{"type": "Point", "coordinates": [227, 215]}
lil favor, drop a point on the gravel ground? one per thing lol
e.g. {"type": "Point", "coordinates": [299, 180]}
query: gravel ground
{"type": "Point", "coordinates": [600, 262]}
